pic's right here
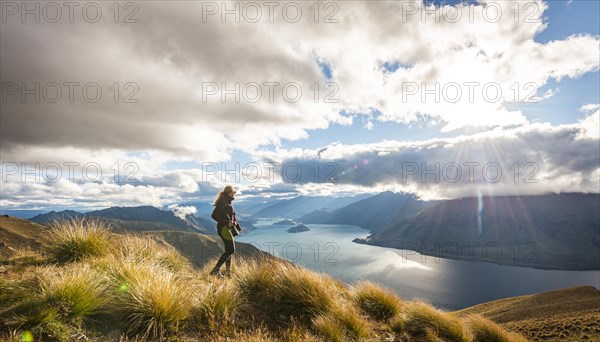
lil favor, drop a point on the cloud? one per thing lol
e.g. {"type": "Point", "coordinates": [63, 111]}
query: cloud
{"type": "Point", "coordinates": [164, 59]}
{"type": "Point", "coordinates": [533, 159]}
{"type": "Point", "coordinates": [590, 107]}
{"type": "Point", "coordinates": [183, 211]}
{"type": "Point", "coordinates": [163, 65]}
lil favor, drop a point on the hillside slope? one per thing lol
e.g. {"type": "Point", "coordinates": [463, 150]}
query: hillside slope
{"type": "Point", "coordinates": [563, 315]}
{"type": "Point", "coordinates": [557, 231]}
{"type": "Point", "coordinates": [16, 233]}
{"type": "Point", "coordinates": [200, 249]}
{"type": "Point", "coordinates": [94, 285]}
{"type": "Point", "coordinates": [142, 218]}
{"type": "Point", "coordinates": [373, 213]}
{"type": "Point", "coordinates": [302, 205]}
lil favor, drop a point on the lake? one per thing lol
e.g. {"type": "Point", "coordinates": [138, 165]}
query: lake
{"type": "Point", "coordinates": [445, 283]}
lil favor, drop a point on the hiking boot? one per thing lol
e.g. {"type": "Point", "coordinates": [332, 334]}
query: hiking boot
{"type": "Point", "coordinates": [216, 273]}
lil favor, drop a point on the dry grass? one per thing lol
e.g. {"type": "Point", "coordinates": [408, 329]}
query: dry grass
{"type": "Point", "coordinates": [77, 239]}
{"type": "Point", "coordinates": [375, 301]}
{"type": "Point", "coordinates": [136, 248]}
{"type": "Point", "coordinates": [216, 308]}
{"type": "Point", "coordinates": [76, 291]}
{"type": "Point", "coordinates": [285, 290]}
{"type": "Point", "coordinates": [483, 329]}
{"type": "Point", "coordinates": [582, 326]}
{"type": "Point", "coordinates": [561, 315]}
{"type": "Point", "coordinates": [344, 323]}
{"type": "Point", "coordinates": [420, 319]}
{"type": "Point", "coordinates": [153, 301]}
{"type": "Point", "coordinates": [23, 257]}
{"type": "Point", "coordinates": [135, 288]}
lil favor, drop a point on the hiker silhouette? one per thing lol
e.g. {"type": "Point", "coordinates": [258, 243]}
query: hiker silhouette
{"type": "Point", "coordinates": [227, 228]}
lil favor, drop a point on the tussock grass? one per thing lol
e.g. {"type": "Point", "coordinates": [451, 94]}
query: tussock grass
{"type": "Point", "coordinates": [59, 298]}
{"type": "Point", "coordinates": [284, 290]}
{"type": "Point", "coordinates": [264, 334]}
{"type": "Point", "coordinates": [484, 329]}
{"type": "Point", "coordinates": [420, 319]}
{"type": "Point", "coordinates": [356, 327]}
{"type": "Point", "coordinates": [329, 327]}
{"type": "Point", "coordinates": [216, 308]}
{"type": "Point", "coordinates": [344, 323]}
{"type": "Point", "coordinates": [77, 291]}
{"type": "Point", "coordinates": [375, 301]}
{"type": "Point", "coordinates": [138, 248]}
{"type": "Point", "coordinates": [77, 239]}
{"type": "Point", "coordinates": [142, 287]}
{"type": "Point", "coordinates": [152, 300]}
{"type": "Point", "coordinates": [15, 290]}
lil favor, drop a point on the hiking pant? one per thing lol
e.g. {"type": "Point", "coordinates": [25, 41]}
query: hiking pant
{"type": "Point", "coordinates": [229, 242]}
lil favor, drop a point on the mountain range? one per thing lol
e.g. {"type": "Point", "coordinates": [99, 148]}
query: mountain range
{"type": "Point", "coordinates": [142, 218]}
{"type": "Point", "coordinates": [557, 231]}
{"type": "Point", "coordinates": [554, 231]}
{"type": "Point", "coordinates": [371, 213]}
{"type": "Point", "coordinates": [301, 205]}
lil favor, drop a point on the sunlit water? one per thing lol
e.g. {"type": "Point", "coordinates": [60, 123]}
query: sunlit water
{"type": "Point", "coordinates": [448, 284]}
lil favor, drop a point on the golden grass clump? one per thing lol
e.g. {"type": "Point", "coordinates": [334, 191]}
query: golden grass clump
{"type": "Point", "coordinates": [216, 307]}
{"type": "Point", "coordinates": [152, 300]}
{"type": "Point", "coordinates": [284, 290]}
{"type": "Point", "coordinates": [329, 327]}
{"type": "Point", "coordinates": [57, 299]}
{"type": "Point", "coordinates": [484, 329]}
{"type": "Point", "coordinates": [139, 248]}
{"type": "Point", "coordinates": [343, 323]}
{"type": "Point", "coordinates": [77, 239]}
{"type": "Point", "coordinates": [420, 319]}
{"type": "Point", "coordinates": [77, 291]}
{"type": "Point", "coordinates": [375, 301]}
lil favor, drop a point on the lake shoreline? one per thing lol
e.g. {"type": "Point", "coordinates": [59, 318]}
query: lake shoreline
{"type": "Point", "coordinates": [474, 258]}
{"type": "Point", "coordinates": [447, 283]}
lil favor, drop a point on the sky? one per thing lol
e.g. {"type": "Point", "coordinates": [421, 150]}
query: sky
{"type": "Point", "coordinates": [164, 103]}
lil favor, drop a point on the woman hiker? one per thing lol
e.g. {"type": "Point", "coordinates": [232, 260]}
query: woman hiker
{"type": "Point", "coordinates": [226, 220]}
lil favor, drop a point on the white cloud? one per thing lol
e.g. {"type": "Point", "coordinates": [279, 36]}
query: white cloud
{"type": "Point", "coordinates": [171, 52]}
{"type": "Point", "coordinates": [183, 211]}
{"type": "Point", "coordinates": [590, 107]}
{"type": "Point", "coordinates": [533, 159]}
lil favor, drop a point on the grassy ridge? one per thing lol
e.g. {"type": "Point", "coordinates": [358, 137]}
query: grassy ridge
{"type": "Point", "coordinates": [103, 286]}
{"type": "Point", "coordinates": [561, 315]}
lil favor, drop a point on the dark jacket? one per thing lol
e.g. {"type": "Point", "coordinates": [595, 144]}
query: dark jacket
{"type": "Point", "coordinates": [225, 211]}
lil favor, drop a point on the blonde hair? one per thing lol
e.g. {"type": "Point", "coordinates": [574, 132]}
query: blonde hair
{"type": "Point", "coordinates": [227, 189]}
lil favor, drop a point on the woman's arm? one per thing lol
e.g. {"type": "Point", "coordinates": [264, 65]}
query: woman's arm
{"type": "Point", "coordinates": [222, 213]}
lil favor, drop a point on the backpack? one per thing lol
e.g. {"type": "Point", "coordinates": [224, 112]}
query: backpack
{"type": "Point", "coordinates": [214, 213]}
